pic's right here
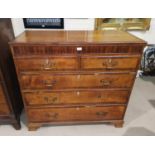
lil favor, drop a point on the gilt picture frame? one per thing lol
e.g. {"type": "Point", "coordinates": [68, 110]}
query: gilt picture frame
{"type": "Point", "coordinates": [142, 24]}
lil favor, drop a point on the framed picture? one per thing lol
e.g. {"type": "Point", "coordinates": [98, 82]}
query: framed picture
{"type": "Point", "coordinates": [122, 24]}
{"type": "Point", "coordinates": [44, 23]}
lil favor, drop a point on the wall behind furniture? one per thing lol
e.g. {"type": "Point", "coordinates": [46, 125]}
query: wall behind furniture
{"type": "Point", "coordinates": [18, 25]}
{"type": "Point", "coordinates": [149, 35]}
{"type": "Point", "coordinates": [88, 24]}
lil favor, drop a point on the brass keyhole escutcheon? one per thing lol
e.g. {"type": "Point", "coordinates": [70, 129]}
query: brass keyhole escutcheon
{"type": "Point", "coordinates": [78, 93]}
{"type": "Point", "coordinates": [78, 77]}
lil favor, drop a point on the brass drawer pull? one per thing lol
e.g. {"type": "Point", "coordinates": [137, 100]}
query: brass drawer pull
{"type": "Point", "coordinates": [105, 82]}
{"type": "Point", "coordinates": [50, 100]}
{"type": "Point", "coordinates": [49, 65]}
{"type": "Point", "coordinates": [49, 83]}
{"type": "Point", "coordinates": [101, 113]}
{"type": "Point", "coordinates": [53, 115]}
{"type": "Point", "coordinates": [110, 63]}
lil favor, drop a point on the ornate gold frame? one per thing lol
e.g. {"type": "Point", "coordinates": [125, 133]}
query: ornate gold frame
{"type": "Point", "coordinates": [122, 23]}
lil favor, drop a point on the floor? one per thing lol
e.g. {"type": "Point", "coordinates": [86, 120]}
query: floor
{"type": "Point", "coordinates": [139, 119]}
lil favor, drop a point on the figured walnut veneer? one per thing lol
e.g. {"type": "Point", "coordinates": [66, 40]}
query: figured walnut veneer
{"type": "Point", "coordinates": [76, 77]}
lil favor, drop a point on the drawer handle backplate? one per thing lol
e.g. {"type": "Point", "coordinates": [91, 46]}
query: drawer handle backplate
{"type": "Point", "coordinates": [105, 82]}
{"type": "Point", "coordinates": [49, 83]}
{"type": "Point", "coordinates": [49, 65]}
{"type": "Point", "coordinates": [110, 63]}
{"type": "Point", "coordinates": [53, 115]}
{"type": "Point", "coordinates": [51, 100]}
{"type": "Point", "coordinates": [101, 113]}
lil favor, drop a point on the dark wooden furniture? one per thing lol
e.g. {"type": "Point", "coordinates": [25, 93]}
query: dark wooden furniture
{"type": "Point", "coordinates": [71, 77]}
{"type": "Point", "coordinates": [10, 97]}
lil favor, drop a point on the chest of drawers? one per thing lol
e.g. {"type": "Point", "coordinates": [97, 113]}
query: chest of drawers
{"type": "Point", "coordinates": [76, 77]}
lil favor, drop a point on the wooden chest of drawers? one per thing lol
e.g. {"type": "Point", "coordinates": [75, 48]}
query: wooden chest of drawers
{"type": "Point", "coordinates": [71, 77]}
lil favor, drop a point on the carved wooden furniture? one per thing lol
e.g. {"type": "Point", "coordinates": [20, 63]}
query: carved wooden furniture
{"type": "Point", "coordinates": [72, 77]}
{"type": "Point", "coordinates": [10, 96]}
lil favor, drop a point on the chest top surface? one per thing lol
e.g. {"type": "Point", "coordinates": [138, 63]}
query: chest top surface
{"type": "Point", "coordinates": [77, 37]}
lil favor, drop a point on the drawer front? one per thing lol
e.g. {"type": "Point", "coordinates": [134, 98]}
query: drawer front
{"type": "Point", "coordinates": [110, 63]}
{"type": "Point", "coordinates": [4, 109]}
{"type": "Point", "coordinates": [50, 81]}
{"type": "Point", "coordinates": [76, 114]}
{"type": "Point", "coordinates": [49, 64]}
{"type": "Point", "coordinates": [29, 50]}
{"type": "Point", "coordinates": [76, 97]}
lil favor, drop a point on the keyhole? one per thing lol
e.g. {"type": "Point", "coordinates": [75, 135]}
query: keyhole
{"type": "Point", "coordinates": [109, 61]}
{"type": "Point", "coordinates": [78, 93]}
{"type": "Point", "coordinates": [78, 77]}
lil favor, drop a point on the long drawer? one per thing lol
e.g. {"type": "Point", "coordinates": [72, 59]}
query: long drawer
{"type": "Point", "coordinates": [62, 81]}
{"type": "Point", "coordinates": [76, 97]}
{"type": "Point", "coordinates": [76, 114]}
{"type": "Point", "coordinates": [110, 62]}
{"type": "Point", "coordinates": [21, 50]}
{"type": "Point", "coordinates": [47, 64]}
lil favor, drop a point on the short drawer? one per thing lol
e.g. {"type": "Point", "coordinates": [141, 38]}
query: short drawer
{"type": "Point", "coordinates": [46, 64]}
{"type": "Point", "coordinates": [76, 114]}
{"type": "Point", "coordinates": [110, 62]}
{"type": "Point", "coordinates": [41, 50]}
{"type": "Point", "coordinates": [64, 81]}
{"type": "Point", "coordinates": [76, 97]}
